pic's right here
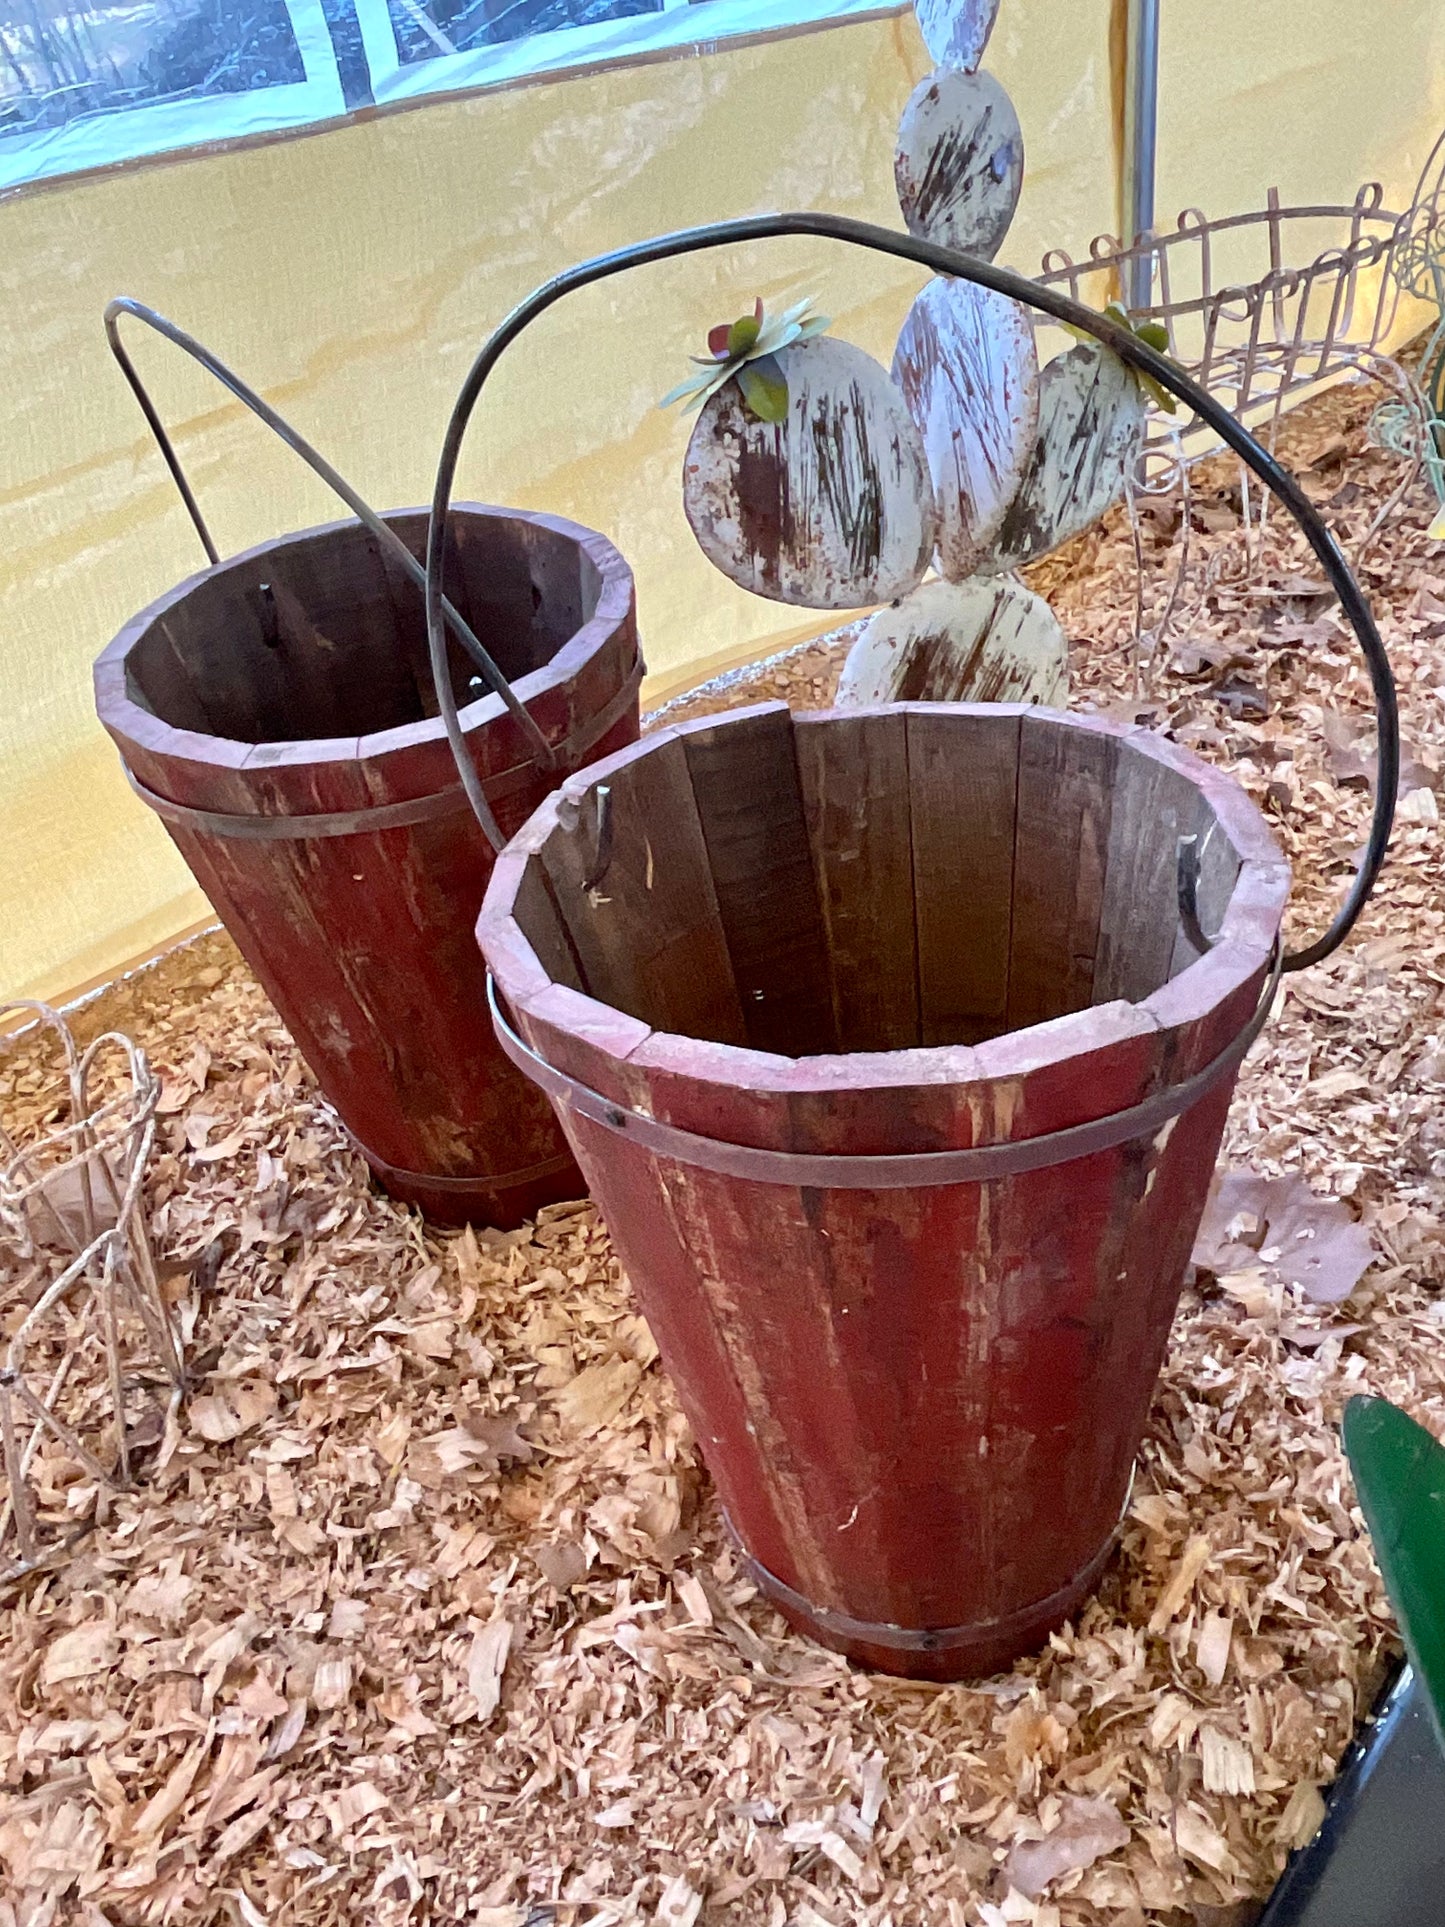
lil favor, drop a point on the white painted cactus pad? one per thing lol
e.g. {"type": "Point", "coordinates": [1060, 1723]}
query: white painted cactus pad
{"type": "Point", "coordinates": [960, 162]}
{"type": "Point", "coordinates": [830, 508]}
{"type": "Point", "coordinates": [1091, 416]}
{"type": "Point", "coordinates": [956, 32]}
{"type": "Point", "coordinates": [965, 365]}
{"type": "Point", "coordinates": [960, 642]}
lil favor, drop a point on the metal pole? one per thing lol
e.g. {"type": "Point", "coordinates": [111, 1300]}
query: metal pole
{"type": "Point", "coordinates": [1141, 134]}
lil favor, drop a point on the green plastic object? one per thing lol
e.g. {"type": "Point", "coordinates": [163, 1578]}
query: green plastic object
{"type": "Point", "coordinates": [1400, 1476]}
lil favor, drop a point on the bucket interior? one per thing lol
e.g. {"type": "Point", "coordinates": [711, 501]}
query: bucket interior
{"type": "Point", "coordinates": [816, 884]}
{"type": "Point", "coordinates": [324, 635]}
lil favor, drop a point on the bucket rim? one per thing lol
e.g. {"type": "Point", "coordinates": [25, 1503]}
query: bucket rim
{"type": "Point", "coordinates": [132, 722]}
{"type": "Point", "coordinates": [1179, 1026]}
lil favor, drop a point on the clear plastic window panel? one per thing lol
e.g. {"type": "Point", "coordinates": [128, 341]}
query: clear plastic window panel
{"type": "Point", "coordinates": [87, 85]}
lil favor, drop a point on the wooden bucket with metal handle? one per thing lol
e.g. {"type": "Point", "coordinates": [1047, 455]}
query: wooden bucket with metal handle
{"type": "Point", "coordinates": [896, 1046]}
{"type": "Point", "coordinates": [278, 714]}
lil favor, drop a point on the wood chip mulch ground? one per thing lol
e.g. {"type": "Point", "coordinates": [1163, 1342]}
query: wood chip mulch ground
{"type": "Point", "coordinates": [426, 1614]}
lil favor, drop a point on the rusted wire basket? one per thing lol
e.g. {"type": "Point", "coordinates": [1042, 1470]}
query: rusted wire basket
{"type": "Point", "coordinates": [91, 1366]}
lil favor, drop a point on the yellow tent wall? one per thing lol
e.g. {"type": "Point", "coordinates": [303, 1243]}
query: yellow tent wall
{"type": "Point", "coordinates": [350, 274]}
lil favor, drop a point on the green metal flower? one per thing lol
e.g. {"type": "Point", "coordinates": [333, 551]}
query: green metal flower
{"type": "Point", "coordinates": [1153, 334]}
{"type": "Point", "coordinates": [745, 349]}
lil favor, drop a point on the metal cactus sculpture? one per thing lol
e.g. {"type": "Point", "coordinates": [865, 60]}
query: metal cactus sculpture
{"type": "Point", "coordinates": [816, 477]}
{"type": "Point", "coordinates": [821, 495]}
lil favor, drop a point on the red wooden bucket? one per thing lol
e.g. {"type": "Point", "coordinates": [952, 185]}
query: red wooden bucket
{"type": "Point", "coordinates": [913, 1279]}
{"type": "Point", "coordinates": [278, 714]}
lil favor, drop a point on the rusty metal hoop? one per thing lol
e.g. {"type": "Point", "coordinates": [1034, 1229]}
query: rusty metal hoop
{"type": "Point", "coordinates": [1060, 307]}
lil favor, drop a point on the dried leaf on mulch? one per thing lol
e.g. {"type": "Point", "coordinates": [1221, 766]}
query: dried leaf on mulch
{"type": "Point", "coordinates": [1086, 1831]}
{"type": "Point", "coordinates": [1279, 1230]}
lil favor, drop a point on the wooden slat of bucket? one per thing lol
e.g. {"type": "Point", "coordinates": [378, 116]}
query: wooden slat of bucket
{"type": "Point", "coordinates": [572, 1028]}
{"type": "Point", "coordinates": [1162, 1185]}
{"type": "Point", "coordinates": [963, 782]}
{"type": "Point", "coordinates": [1240, 838]}
{"type": "Point", "coordinates": [750, 805]}
{"type": "Point", "coordinates": [1243, 889]}
{"type": "Point", "coordinates": [661, 1220]}
{"type": "Point", "coordinates": [1138, 1205]}
{"type": "Point", "coordinates": [338, 629]}
{"type": "Point", "coordinates": [377, 887]}
{"type": "Point", "coordinates": [819, 1487]}
{"type": "Point", "coordinates": [240, 675]}
{"type": "Point", "coordinates": [1002, 1323]}
{"type": "Point", "coordinates": [1153, 807]}
{"type": "Point", "coordinates": [1231, 833]}
{"type": "Point", "coordinates": [1218, 873]}
{"type": "Point", "coordinates": [1208, 1002]}
{"type": "Point", "coordinates": [517, 590]}
{"type": "Point", "coordinates": [271, 883]}
{"type": "Point", "coordinates": [409, 614]}
{"type": "Point", "coordinates": [1114, 1220]}
{"type": "Point", "coordinates": [854, 772]}
{"type": "Point", "coordinates": [1054, 1298]}
{"type": "Point", "coordinates": [648, 1203]}
{"type": "Point", "coordinates": [319, 683]}
{"type": "Point", "coordinates": [553, 572]}
{"type": "Point", "coordinates": [649, 936]}
{"type": "Point", "coordinates": [579, 681]}
{"type": "Point", "coordinates": [586, 1040]}
{"type": "Point", "coordinates": [353, 625]}
{"type": "Point", "coordinates": [552, 1007]}
{"type": "Point", "coordinates": [349, 917]}
{"type": "Point", "coordinates": [530, 950]}
{"type": "Point", "coordinates": [591, 673]}
{"type": "Point", "coordinates": [539, 915]}
{"type": "Point", "coordinates": [1064, 807]}
{"type": "Point", "coordinates": [189, 714]}
{"type": "Point", "coordinates": [185, 765]}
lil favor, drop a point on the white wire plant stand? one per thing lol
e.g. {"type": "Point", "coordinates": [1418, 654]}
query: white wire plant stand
{"type": "Point", "coordinates": [90, 1357]}
{"type": "Point", "coordinates": [1265, 308]}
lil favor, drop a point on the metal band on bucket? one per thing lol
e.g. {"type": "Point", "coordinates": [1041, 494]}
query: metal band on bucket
{"type": "Point", "coordinates": [929, 1639]}
{"type": "Point", "coordinates": [391, 1174]}
{"type": "Point", "coordinates": [305, 829]}
{"type": "Point", "coordinates": [376, 817]}
{"type": "Point", "coordinates": [893, 1171]}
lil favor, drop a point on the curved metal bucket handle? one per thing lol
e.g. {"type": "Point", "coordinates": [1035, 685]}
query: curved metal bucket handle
{"type": "Point", "coordinates": [395, 548]}
{"type": "Point", "coordinates": [985, 274]}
